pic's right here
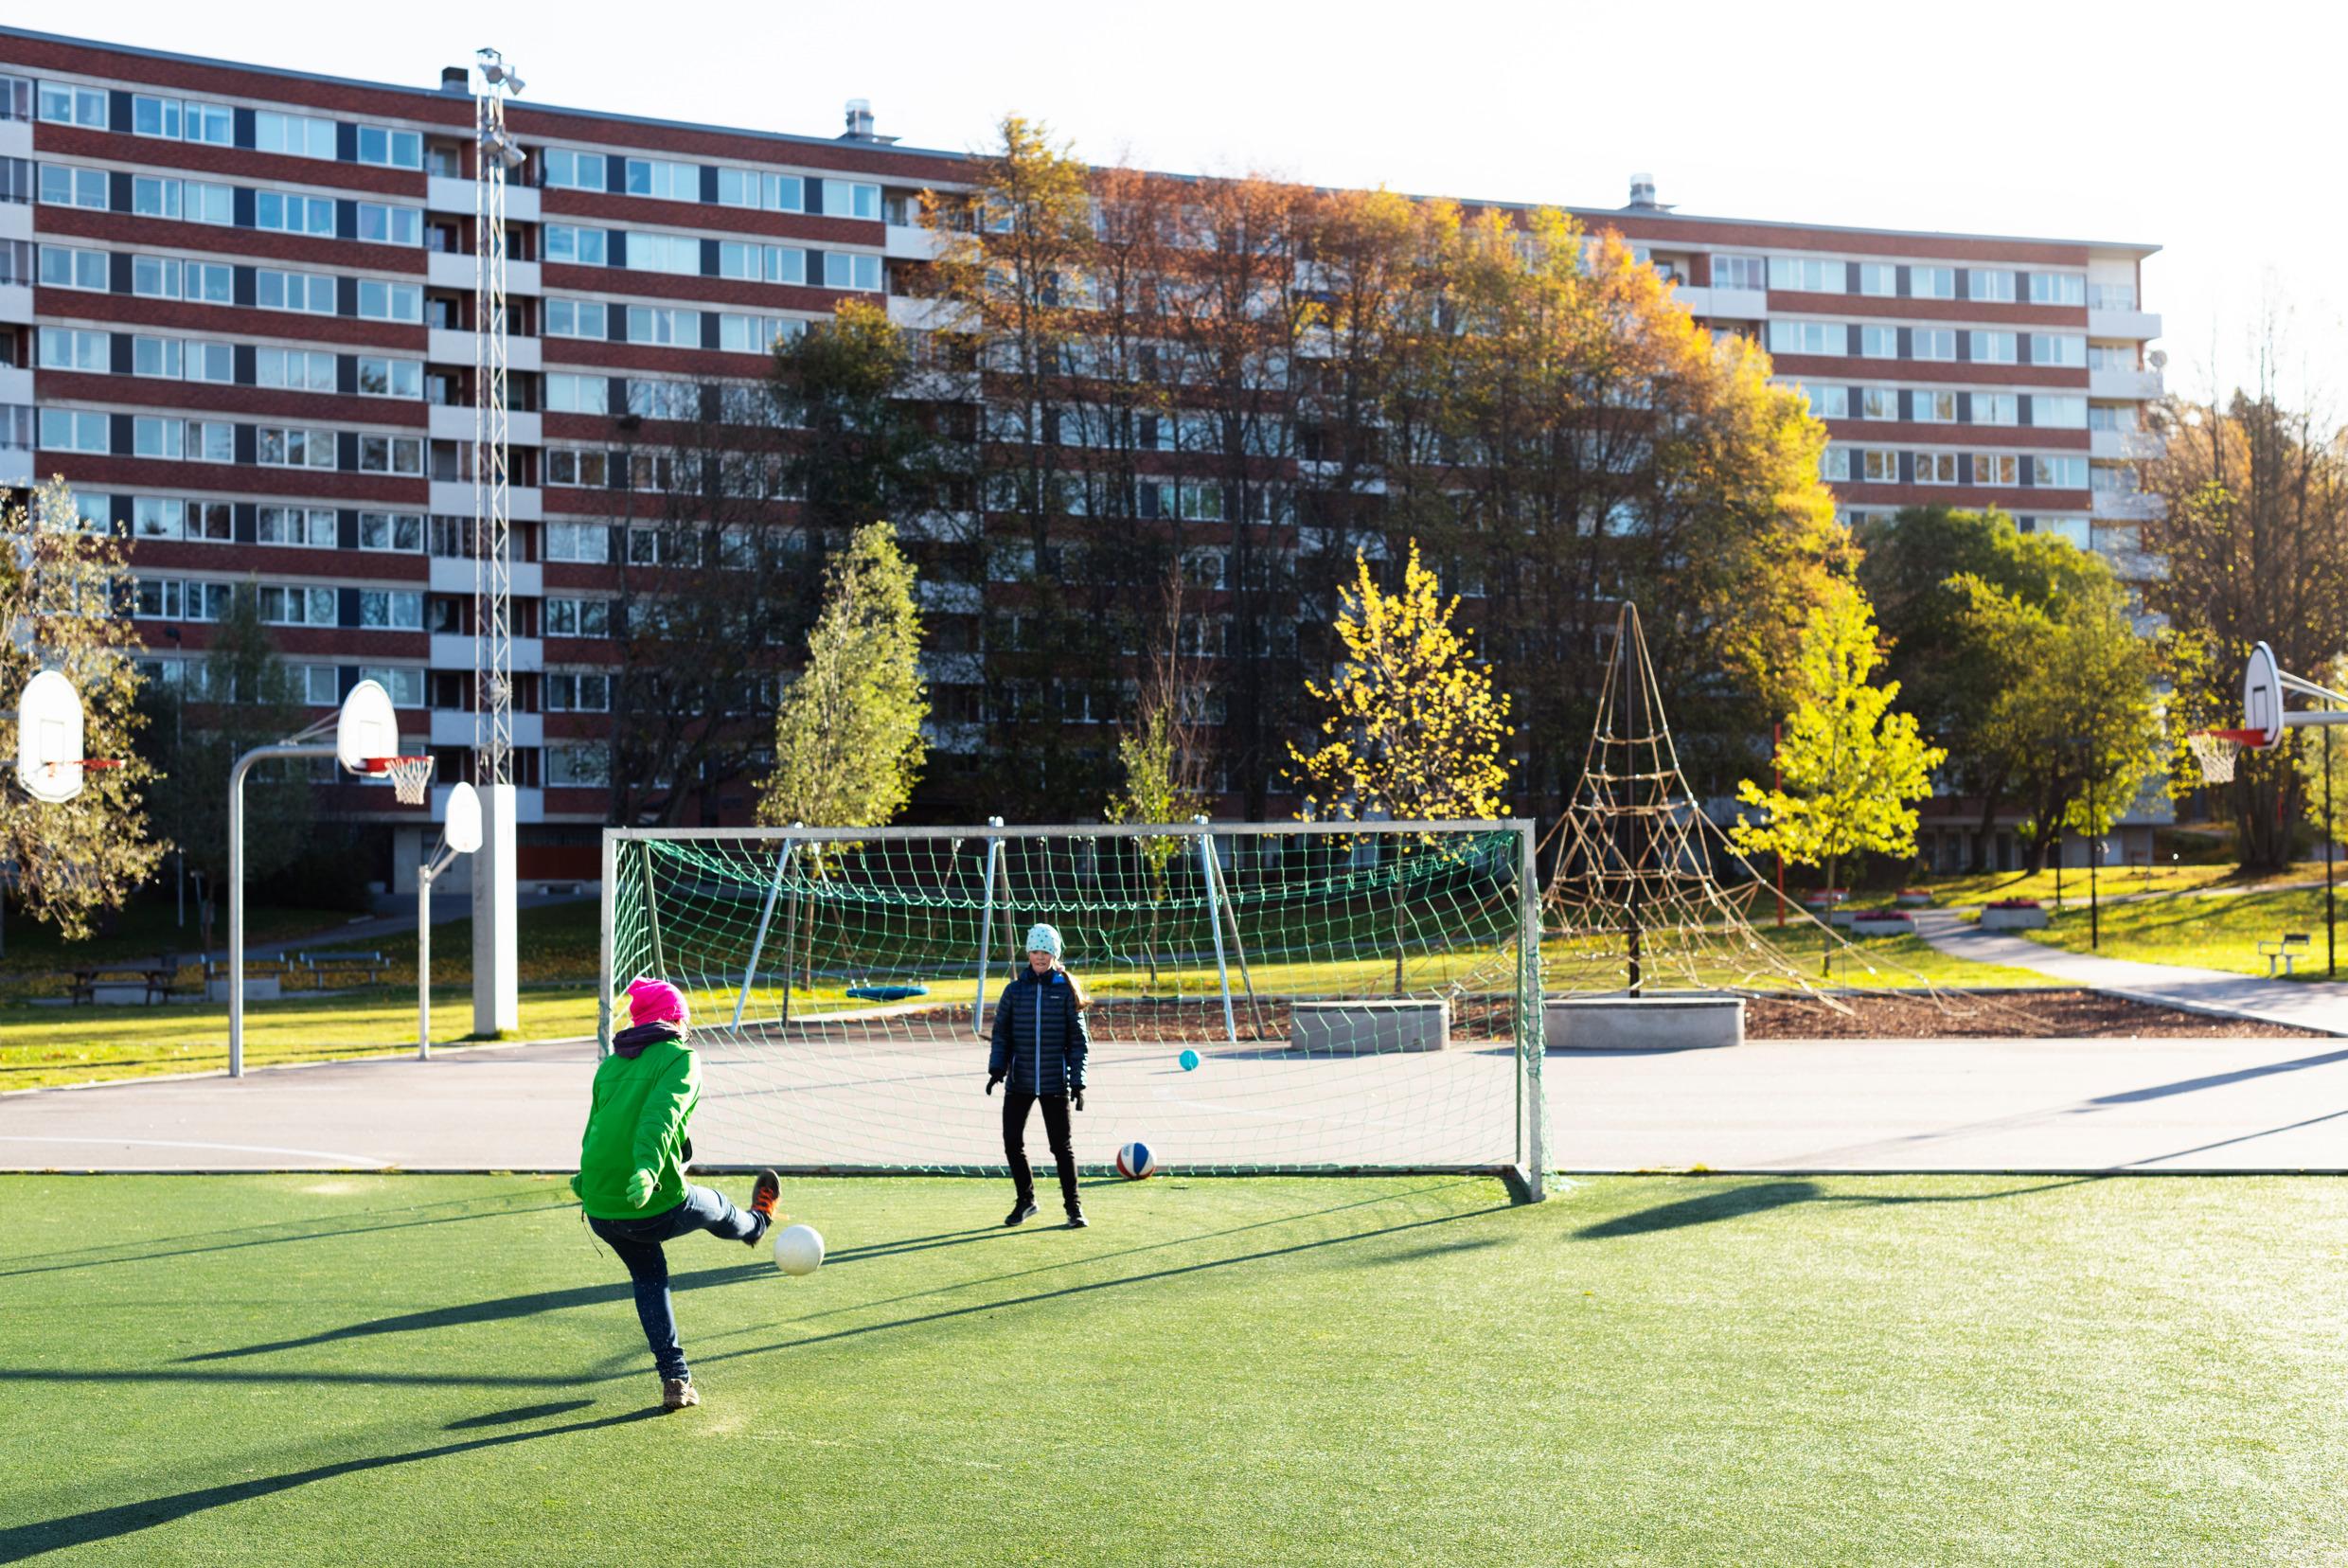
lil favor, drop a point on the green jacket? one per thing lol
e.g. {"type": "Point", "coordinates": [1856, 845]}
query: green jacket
{"type": "Point", "coordinates": [642, 1100]}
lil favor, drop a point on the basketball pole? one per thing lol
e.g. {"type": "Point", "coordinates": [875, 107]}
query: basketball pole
{"type": "Point", "coordinates": [236, 883]}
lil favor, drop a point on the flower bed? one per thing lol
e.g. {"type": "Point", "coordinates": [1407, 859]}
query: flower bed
{"type": "Point", "coordinates": [2013, 915]}
{"type": "Point", "coordinates": [1914, 898]}
{"type": "Point", "coordinates": [1883, 922]}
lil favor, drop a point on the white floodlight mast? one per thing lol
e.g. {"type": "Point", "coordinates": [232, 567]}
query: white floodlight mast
{"type": "Point", "coordinates": [494, 152]}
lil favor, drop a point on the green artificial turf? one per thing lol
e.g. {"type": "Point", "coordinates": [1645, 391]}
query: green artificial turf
{"type": "Point", "coordinates": [329, 1369]}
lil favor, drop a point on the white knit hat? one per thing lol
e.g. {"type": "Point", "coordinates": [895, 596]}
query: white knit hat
{"type": "Point", "coordinates": [1043, 938]}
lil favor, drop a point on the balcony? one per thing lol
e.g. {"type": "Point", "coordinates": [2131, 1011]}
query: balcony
{"type": "Point", "coordinates": [15, 468]}
{"type": "Point", "coordinates": [910, 242]}
{"type": "Point", "coordinates": [454, 650]}
{"type": "Point", "coordinates": [2124, 386]}
{"type": "Point", "coordinates": [15, 221]}
{"type": "Point", "coordinates": [454, 270]}
{"type": "Point", "coordinates": [453, 498]}
{"type": "Point", "coordinates": [2139, 325]}
{"type": "Point", "coordinates": [1723, 303]}
{"type": "Point", "coordinates": [443, 195]}
{"type": "Point", "coordinates": [453, 727]}
{"type": "Point", "coordinates": [454, 423]}
{"type": "Point", "coordinates": [16, 303]}
{"type": "Point", "coordinates": [453, 575]}
{"type": "Point", "coordinates": [15, 388]}
{"type": "Point", "coordinates": [2129, 446]}
{"type": "Point", "coordinates": [453, 345]}
{"type": "Point", "coordinates": [920, 314]}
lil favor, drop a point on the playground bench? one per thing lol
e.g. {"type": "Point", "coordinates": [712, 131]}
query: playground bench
{"type": "Point", "coordinates": [342, 965]}
{"type": "Point", "coordinates": [2287, 952]}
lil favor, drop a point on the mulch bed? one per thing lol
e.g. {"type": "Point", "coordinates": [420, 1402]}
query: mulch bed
{"type": "Point", "coordinates": [2010, 1015]}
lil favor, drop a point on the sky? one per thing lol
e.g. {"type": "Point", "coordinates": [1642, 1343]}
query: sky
{"type": "Point", "coordinates": [2211, 132]}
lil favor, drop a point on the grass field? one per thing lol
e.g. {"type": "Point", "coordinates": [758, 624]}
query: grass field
{"type": "Point", "coordinates": [2207, 930]}
{"type": "Point", "coordinates": [411, 1370]}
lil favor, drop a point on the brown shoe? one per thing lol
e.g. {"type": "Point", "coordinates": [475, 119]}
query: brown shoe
{"type": "Point", "coordinates": [676, 1392]}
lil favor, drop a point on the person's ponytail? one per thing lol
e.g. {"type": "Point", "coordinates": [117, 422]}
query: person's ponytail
{"type": "Point", "coordinates": [1074, 987]}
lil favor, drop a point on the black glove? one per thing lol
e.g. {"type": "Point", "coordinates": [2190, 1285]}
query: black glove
{"type": "Point", "coordinates": [993, 1078]}
{"type": "Point", "coordinates": [1077, 1099]}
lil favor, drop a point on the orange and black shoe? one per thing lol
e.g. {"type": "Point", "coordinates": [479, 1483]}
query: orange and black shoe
{"type": "Point", "coordinates": [762, 1195]}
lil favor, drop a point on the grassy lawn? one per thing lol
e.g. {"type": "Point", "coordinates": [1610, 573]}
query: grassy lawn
{"type": "Point", "coordinates": [2207, 930]}
{"type": "Point", "coordinates": [1962, 892]}
{"type": "Point", "coordinates": [428, 1370]}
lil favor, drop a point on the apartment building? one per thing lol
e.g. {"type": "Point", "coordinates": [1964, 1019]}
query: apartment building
{"type": "Point", "coordinates": [236, 313]}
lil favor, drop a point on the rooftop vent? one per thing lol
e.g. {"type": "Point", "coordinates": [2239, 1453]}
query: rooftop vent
{"type": "Point", "coordinates": [860, 123]}
{"type": "Point", "coordinates": [457, 79]}
{"type": "Point", "coordinates": [1643, 195]}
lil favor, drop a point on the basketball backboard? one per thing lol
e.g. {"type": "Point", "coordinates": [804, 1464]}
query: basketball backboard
{"type": "Point", "coordinates": [367, 729]}
{"type": "Point", "coordinates": [49, 737]}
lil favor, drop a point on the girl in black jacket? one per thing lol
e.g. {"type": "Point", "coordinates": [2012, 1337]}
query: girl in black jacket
{"type": "Point", "coordinates": [1039, 1042]}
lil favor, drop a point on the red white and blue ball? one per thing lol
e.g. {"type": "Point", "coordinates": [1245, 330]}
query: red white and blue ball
{"type": "Point", "coordinates": [1135, 1161]}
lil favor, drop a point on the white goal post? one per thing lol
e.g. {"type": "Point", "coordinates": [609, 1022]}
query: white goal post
{"type": "Point", "coordinates": [1263, 997]}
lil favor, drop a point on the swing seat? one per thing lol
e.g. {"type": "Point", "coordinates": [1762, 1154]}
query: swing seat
{"type": "Point", "coordinates": [887, 993]}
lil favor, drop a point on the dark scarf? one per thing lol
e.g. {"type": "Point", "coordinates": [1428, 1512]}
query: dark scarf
{"type": "Point", "coordinates": [631, 1043]}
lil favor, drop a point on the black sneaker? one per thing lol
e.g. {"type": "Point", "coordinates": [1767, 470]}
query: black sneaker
{"type": "Point", "coordinates": [1024, 1209]}
{"type": "Point", "coordinates": [1075, 1217]}
{"type": "Point", "coordinates": [762, 1195]}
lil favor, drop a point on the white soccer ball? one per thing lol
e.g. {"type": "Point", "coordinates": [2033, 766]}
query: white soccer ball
{"type": "Point", "coordinates": [798, 1250]}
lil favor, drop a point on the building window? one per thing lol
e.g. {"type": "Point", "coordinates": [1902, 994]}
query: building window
{"type": "Point", "coordinates": [311, 292]}
{"type": "Point", "coordinates": [576, 767]}
{"type": "Point", "coordinates": [663, 324]}
{"type": "Point", "coordinates": [310, 528]}
{"type": "Point", "coordinates": [2057, 349]}
{"type": "Point", "coordinates": [1933, 407]}
{"type": "Point", "coordinates": [391, 149]}
{"type": "Point", "coordinates": [299, 135]}
{"type": "Point", "coordinates": [183, 119]}
{"type": "Point", "coordinates": [2057, 411]}
{"type": "Point", "coordinates": [400, 531]}
{"type": "Point", "coordinates": [209, 282]}
{"type": "Point", "coordinates": [570, 466]}
{"type": "Point", "coordinates": [577, 693]}
{"type": "Point", "coordinates": [1739, 272]}
{"type": "Point", "coordinates": [380, 376]}
{"type": "Point", "coordinates": [575, 393]}
{"type": "Point", "coordinates": [586, 247]}
{"type": "Point", "coordinates": [1993, 285]}
{"type": "Point", "coordinates": [1879, 342]}
{"type": "Point", "coordinates": [160, 356]}
{"type": "Point", "coordinates": [664, 400]}
{"type": "Point", "coordinates": [849, 270]}
{"type": "Point", "coordinates": [285, 604]}
{"type": "Point", "coordinates": [576, 617]}
{"type": "Point", "coordinates": [1834, 463]}
{"type": "Point", "coordinates": [64, 268]}
{"type": "Point", "coordinates": [69, 348]}
{"type": "Point", "coordinates": [1827, 402]}
{"type": "Point", "coordinates": [382, 301]}
{"type": "Point", "coordinates": [1878, 403]}
{"type": "Point", "coordinates": [280, 446]}
{"type": "Point", "coordinates": [294, 370]}
{"type": "Point", "coordinates": [749, 334]}
{"type": "Point", "coordinates": [579, 318]}
{"type": "Point", "coordinates": [1879, 467]}
{"type": "Point", "coordinates": [380, 224]}
{"type": "Point", "coordinates": [1936, 467]}
{"type": "Point", "coordinates": [2057, 288]}
{"type": "Point", "coordinates": [2059, 472]}
{"type": "Point", "coordinates": [156, 277]}
{"type": "Point", "coordinates": [590, 543]}
{"type": "Point", "coordinates": [1808, 337]}
{"type": "Point", "coordinates": [1997, 467]}
{"type": "Point", "coordinates": [1994, 348]}
{"type": "Point", "coordinates": [62, 185]}
{"type": "Point", "coordinates": [391, 454]}
{"type": "Point", "coordinates": [2111, 417]}
{"type": "Point", "coordinates": [851, 198]}
{"type": "Point", "coordinates": [288, 214]}
{"type": "Point", "coordinates": [673, 182]}
{"type": "Point", "coordinates": [391, 610]}
{"type": "Point", "coordinates": [668, 252]}
{"type": "Point", "coordinates": [76, 430]}
{"type": "Point", "coordinates": [1932, 282]}
{"type": "Point", "coordinates": [569, 170]}
{"type": "Point", "coordinates": [1807, 275]}
{"type": "Point", "coordinates": [61, 104]}
{"type": "Point", "coordinates": [158, 437]}
{"type": "Point", "coordinates": [212, 362]}
{"type": "Point", "coordinates": [1881, 278]}
{"type": "Point", "coordinates": [1932, 343]}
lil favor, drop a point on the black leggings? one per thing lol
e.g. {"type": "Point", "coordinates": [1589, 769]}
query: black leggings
{"type": "Point", "coordinates": [1015, 1104]}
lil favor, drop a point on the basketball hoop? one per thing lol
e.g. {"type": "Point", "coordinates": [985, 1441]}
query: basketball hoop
{"type": "Point", "coordinates": [2215, 751]}
{"type": "Point", "coordinates": [411, 776]}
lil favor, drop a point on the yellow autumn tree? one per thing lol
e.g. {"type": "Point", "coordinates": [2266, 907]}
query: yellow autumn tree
{"type": "Point", "coordinates": [1411, 727]}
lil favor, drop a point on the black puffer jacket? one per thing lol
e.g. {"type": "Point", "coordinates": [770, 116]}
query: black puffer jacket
{"type": "Point", "coordinates": [1040, 1036]}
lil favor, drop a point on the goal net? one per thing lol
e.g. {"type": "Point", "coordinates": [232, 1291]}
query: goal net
{"type": "Point", "coordinates": [1305, 998]}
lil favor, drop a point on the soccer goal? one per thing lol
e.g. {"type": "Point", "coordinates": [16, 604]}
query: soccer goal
{"type": "Point", "coordinates": [1299, 998]}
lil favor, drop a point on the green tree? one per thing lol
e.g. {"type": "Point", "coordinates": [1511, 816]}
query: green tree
{"type": "Point", "coordinates": [241, 696]}
{"type": "Point", "coordinates": [853, 386]}
{"type": "Point", "coordinates": [1851, 766]}
{"type": "Point", "coordinates": [1411, 728]}
{"type": "Point", "coordinates": [848, 743]}
{"type": "Point", "coordinates": [1165, 771]}
{"type": "Point", "coordinates": [64, 602]}
{"type": "Point", "coordinates": [2310, 761]}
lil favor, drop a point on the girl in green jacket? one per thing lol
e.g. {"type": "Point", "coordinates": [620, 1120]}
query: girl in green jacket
{"type": "Point", "coordinates": [631, 1163]}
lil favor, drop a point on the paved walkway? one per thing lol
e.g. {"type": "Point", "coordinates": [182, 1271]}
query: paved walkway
{"type": "Point", "coordinates": [2310, 1004]}
{"type": "Point", "coordinates": [1839, 1105]}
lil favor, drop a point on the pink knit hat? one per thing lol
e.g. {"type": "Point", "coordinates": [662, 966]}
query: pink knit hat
{"type": "Point", "coordinates": [651, 1001]}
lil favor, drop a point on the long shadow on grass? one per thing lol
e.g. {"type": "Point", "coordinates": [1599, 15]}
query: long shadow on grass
{"type": "Point", "coordinates": [498, 1310]}
{"type": "Point", "coordinates": [123, 1519]}
{"type": "Point", "coordinates": [147, 1255]}
{"type": "Point", "coordinates": [1762, 1197]}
